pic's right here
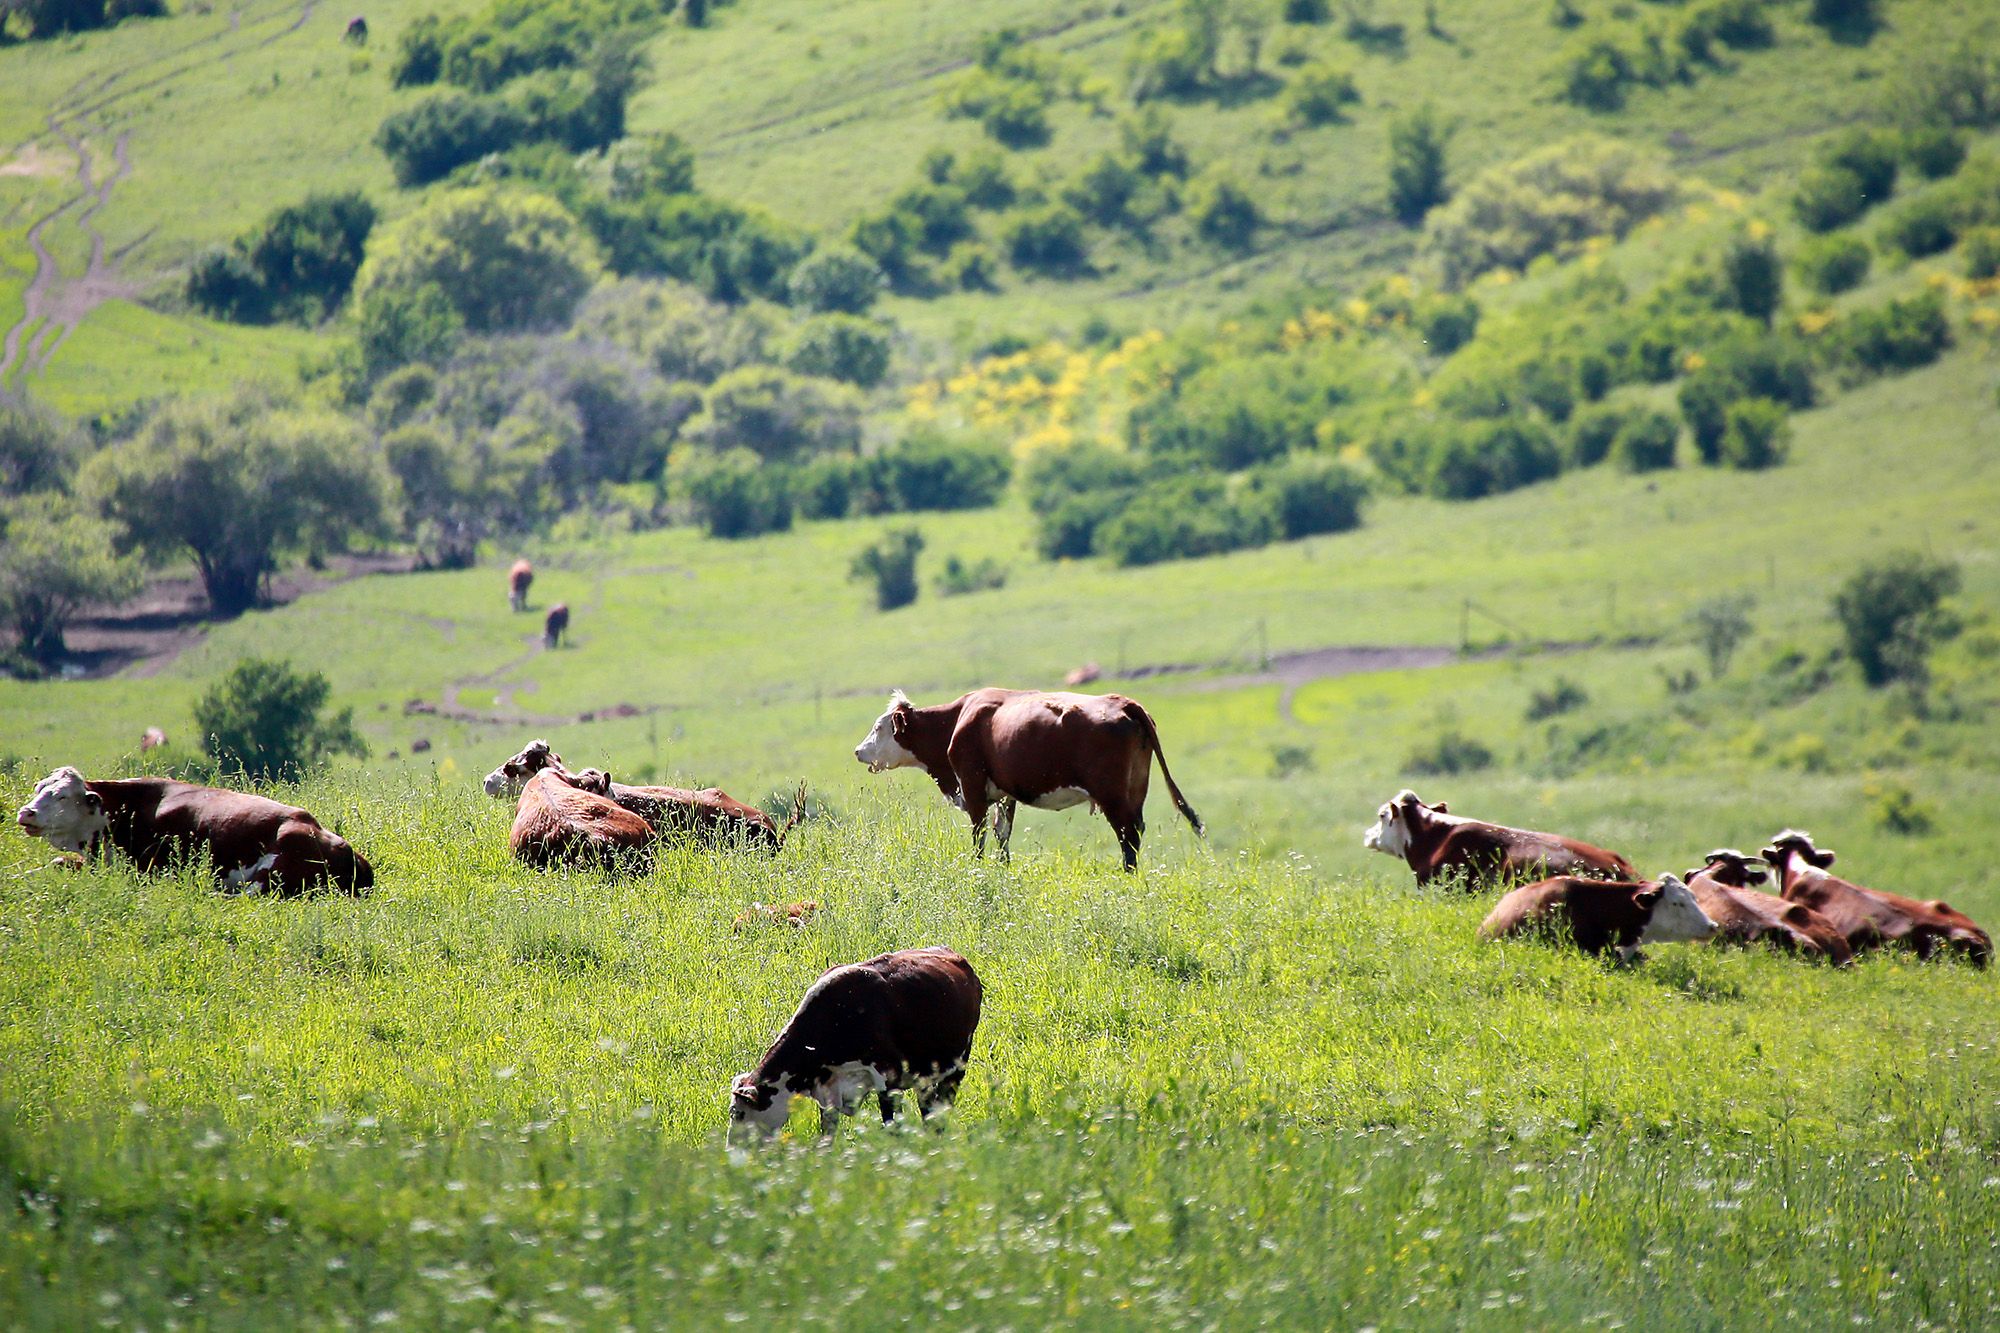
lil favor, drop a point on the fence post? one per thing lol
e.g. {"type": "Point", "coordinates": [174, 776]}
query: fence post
{"type": "Point", "coordinates": [1465, 626]}
{"type": "Point", "coordinates": [1263, 648]}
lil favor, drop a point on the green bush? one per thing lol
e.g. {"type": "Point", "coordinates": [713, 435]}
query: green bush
{"type": "Point", "coordinates": [428, 141]}
{"type": "Point", "coordinates": [1223, 213]}
{"type": "Point", "coordinates": [837, 279]}
{"type": "Point", "coordinates": [1317, 94]}
{"type": "Point", "coordinates": [1592, 433]}
{"type": "Point", "coordinates": [891, 564]}
{"type": "Point", "coordinates": [733, 493]}
{"type": "Point", "coordinates": [1418, 143]}
{"type": "Point", "coordinates": [1596, 72]}
{"type": "Point", "coordinates": [1923, 226]}
{"type": "Point", "coordinates": [985, 178]}
{"type": "Point", "coordinates": [1892, 614]}
{"type": "Point", "coordinates": [1103, 190]}
{"type": "Point", "coordinates": [1148, 135]}
{"type": "Point", "coordinates": [1563, 696]}
{"type": "Point", "coordinates": [1049, 239]}
{"type": "Point", "coordinates": [1756, 434]}
{"type": "Point", "coordinates": [55, 557]}
{"type": "Point", "coordinates": [1488, 458]}
{"type": "Point", "coordinates": [298, 264]}
{"type": "Point", "coordinates": [777, 414]}
{"type": "Point", "coordinates": [959, 576]}
{"type": "Point", "coordinates": [1313, 494]}
{"type": "Point", "coordinates": [840, 347]}
{"type": "Point", "coordinates": [1741, 24]}
{"type": "Point", "coordinates": [1181, 517]}
{"type": "Point", "coordinates": [931, 471]}
{"type": "Point", "coordinates": [973, 268]}
{"type": "Point", "coordinates": [263, 720]}
{"type": "Point", "coordinates": [1752, 279]}
{"type": "Point", "coordinates": [1449, 755]}
{"type": "Point", "coordinates": [1848, 20]}
{"type": "Point", "coordinates": [1982, 252]}
{"type": "Point", "coordinates": [1595, 375]}
{"type": "Point", "coordinates": [1832, 264]}
{"type": "Point", "coordinates": [1897, 336]}
{"type": "Point", "coordinates": [941, 215]}
{"type": "Point", "coordinates": [1645, 441]}
{"type": "Point", "coordinates": [1872, 155]}
{"type": "Point", "coordinates": [1828, 197]}
{"type": "Point", "coordinates": [1448, 324]}
{"type": "Point", "coordinates": [1936, 151]}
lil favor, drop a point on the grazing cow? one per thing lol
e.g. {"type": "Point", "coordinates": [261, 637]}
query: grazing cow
{"type": "Point", "coordinates": [710, 815]}
{"type": "Point", "coordinates": [1745, 915]}
{"type": "Point", "coordinates": [901, 1021]}
{"type": "Point", "coordinates": [251, 842]}
{"type": "Point", "coordinates": [559, 823]}
{"type": "Point", "coordinates": [1439, 844]}
{"type": "Point", "coordinates": [1601, 915]}
{"type": "Point", "coordinates": [556, 625]}
{"type": "Point", "coordinates": [519, 579]}
{"type": "Point", "coordinates": [1083, 675]}
{"type": "Point", "coordinates": [152, 740]}
{"type": "Point", "coordinates": [794, 915]}
{"type": "Point", "coordinates": [357, 31]}
{"type": "Point", "coordinates": [993, 748]}
{"type": "Point", "coordinates": [1870, 918]}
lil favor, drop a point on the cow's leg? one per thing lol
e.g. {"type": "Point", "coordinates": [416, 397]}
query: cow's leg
{"type": "Point", "coordinates": [887, 1100]}
{"type": "Point", "coordinates": [941, 1093]}
{"type": "Point", "coordinates": [974, 801]}
{"type": "Point", "coordinates": [1003, 825]}
{"type": "Point", "coordinates": [1130, 826]}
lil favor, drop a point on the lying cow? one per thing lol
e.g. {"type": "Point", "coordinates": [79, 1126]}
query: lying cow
{"type": "Point", "coordinates": [710, 815]}
{"type": "Point", "coordinates": [520, 578]}
{"type": "Point", "coordinates": [1438, 844]}
{"type": "Point", "coordinates": [902, 1021]}
{"type": "Point", "coordinates": [1600, 915]}
{"type": "Point", "coordinates": [558, 823]}
{"type": "Point", "coordinates": [1870, 918]}
{"type": "Point", "coordinates": [252, 842]}
{"type": "Point", "coordinates": [1746, 915]}
{"type": "Point", "coordinates": [993, 748]}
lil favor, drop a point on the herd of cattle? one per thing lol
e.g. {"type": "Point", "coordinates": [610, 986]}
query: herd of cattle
{"type": "Point", "coordinates": [904, 1021]}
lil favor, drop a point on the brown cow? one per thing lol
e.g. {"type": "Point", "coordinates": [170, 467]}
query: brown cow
{"type": "Point", "coordinates": [251, 842]}
{"type": "Point", "coordinates": [1870, 918]}
{"type": "Point", "coordinates": [992, 748]}
{"type": "Point", "coordinates": [1745, 915]}
{"type": "Point", "coordinates": [519, 579]}
{"type": "Point", "coordinates": [794, 915]}
{"type": "Point", "coordinates": [556, 625]}
{"type": "Point", "coordinates": [898, 1021]}
{"type": "Point", "coordinates": [1438, 844]}
{"type": "Point", "coordinates": [152, 740]}
{"type": "Point", "coordinates": [1600, 915]}
{"type": "Point", "coordinates": [558, 823]}
{"type": "Point", "coordinates": [710, 815]}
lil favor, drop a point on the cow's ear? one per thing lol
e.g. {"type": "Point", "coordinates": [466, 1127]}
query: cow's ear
{"type": "Point", "coordinates": [1755, 874]}
{"type": "Point", "coordinates": [899, 720]}
{"type": "Point", "coordinates": [1441, 808]}
{"type": "Point", "coordinates": [1646, 897]}
{"type": "Point", "coordinates": [93, 802]}
{"type": "Point", "coordinates": [1824, 860]}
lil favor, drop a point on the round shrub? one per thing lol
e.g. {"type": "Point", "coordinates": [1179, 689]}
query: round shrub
{"type": "Point", "coordinates": [1314, 494]}
{"type": "Point", "coordinates": [1592, 431]}
{"type": "Point", "coordinates": [1049, 239]}
{"type": "Point", "coordinates": [840, 347]}
{"type": "Point", "coordinates": [1756, 434]}
{"type": "Point", "coordinates": [1318, 94]}
{"type": "Point", "coordinates": [1900, 335]}
{"type": "Point", "coordinates": [1936, 151]}
{"type": "Point", "coordinates": [1828, 197]}
{"type": "Point", "coordinates": [1187, 516]}
{"type": "Point", "coordinates": [929, 471]}
{"type": "Point", "coordinates": [1646, 441]}
{"type": "Point", "coordinates": [1870, 154]}
{"type": "Point", "coordinates": [1490, 457]}
{"type": "Point", "coordinates": [837, 279]}
{"type": "Point", "coordinates": [1449, 324]}
{"type": "Point", "coordinates": [733, 493]}
{"type": "Point", "coordinates": [1923, 227]}
{"type": "Point", "coordinates": [1832, 264]}
{"type": "Point", "coordinates": [1982, 252]}
{"type": "Point", "coordinates": [1224, 213]}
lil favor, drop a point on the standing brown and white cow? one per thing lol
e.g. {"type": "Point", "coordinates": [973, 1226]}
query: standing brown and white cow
{"type": "Point", "coordinates": [559, 823]}
{"type": "Point", "coordinates": [1746, 915]}
{"type": "Point", "coordinates": [1600, 916]}
{"type": "Point", "coordinates": [900, 1021]}
{"type": "Point", "coordinates": [710, 815]}
{"type": "Point", "coordinates": [1870, 918]}
{"type": "Point", "coordinates": [519, 579]}
{"type": "Point", "coordinates": [251, 842]}
{"type": "Point", "coordinates": [1438, 844]}
{"type": "Point", "coordinates": [555, 625]}
{"type": "Point", "coordinates": [992, 748]}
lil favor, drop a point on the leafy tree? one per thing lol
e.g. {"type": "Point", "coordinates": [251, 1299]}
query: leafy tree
{"type": "Point", "coordinates": [1720, 624]}
{"type": "Point", "coordinates": [504, 259]}
{"type": "Point", "coordinates": [733, 493]}
{"type": "Point", "coordinates": [656, 164]}
{"type": "Point", "coordinates": [840, 347]}
{"type": "Point", "coordinates": [1103, 191]}
{"type": "Point", "coordinates": [1224, 213]}
{"type": "Point", "coordinates": [892, 564]}
{"type": "Point", "coordinates": [237, 483]}
{"type": "Point", "coordinates": [38, 450]}
{"type": "Point", "coordinates": [1752, 279]}
{"type": "Point", "coordinates": [836, 279]}
{"type": "Point", "coordinates": [1936, 151]}
{"type": "Point", "coordinates": [1828, 197]}
{"type": "Point", "coordinates": [400, 326]}
{"type": "Point", "coordinates": [935, 471]}
{"type": "Point", "coordinates": [1755, 434]}
{"type": "Point", "coordinates": [1148, 136]}
{"type": "Point", "coordinates": [430, 140]}
{"type": "Point", "coordinates": [1646, 440]}
{"type": "Point", "coordinates": [1049, 239]}
{"type": "Point", "coordinates": [1892, 614]}
{"type": "Point", "coordinates": [264, 720]}
{"type": "Point", "coordinates": [1318, 94]}
{"type": "Point", "coordinates": [1832, 264]}
{"type": "Point", "coordinates": [1314, 494]}
{"type": "Point", "coordinates": [54, 558]}
{"type": "Point", "coordinates": [680, 331]}
{"type": "Point", "coordinates": [777, 414]}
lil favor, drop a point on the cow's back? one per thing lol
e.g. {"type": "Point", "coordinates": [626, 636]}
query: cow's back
{"type": "Point", "coordinates": [1751, 916]}
{"type": "Point", "coordinates": [1596, 914]}
{"type": "Point", "coordinates": [556, 822]}
{"type": "Point", "coordinates": [1867, 917]}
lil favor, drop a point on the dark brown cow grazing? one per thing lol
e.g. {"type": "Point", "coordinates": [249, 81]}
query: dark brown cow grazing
{"type": "Point", "coordinates": [710, 815]}
{"type": "Point", "coordinates": [556, 625]}
{"type": "Point", "coordinates": [1438, 844]}
{"type": "Point", "coordinates": [251, 841]}
{"type": "Point", "coordinates": [558, 823]}
{"type": "Point", "coordinates": [900, 1021]}
{"type": "Point", "coordinates": [519, 579]}
{"type": "Point", "coordinates": [357, 31]}
{"type": "Point", "coordinates": [1870, 918]}
{"type": "Point", "coordinates": [1601, 915]}
{"type": "Point", "coordinates": [993, 748]}
{"type": "Point", "coordinates": [1744, 915]}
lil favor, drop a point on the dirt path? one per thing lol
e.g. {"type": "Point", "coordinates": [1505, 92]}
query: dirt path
{"type": "Point", "coordinates": [1293, 670]}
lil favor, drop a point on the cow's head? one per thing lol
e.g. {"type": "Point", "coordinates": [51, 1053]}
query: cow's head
{"type": "Point", "coordinates": [883, 747]}
{"type": "Point", "coordinates": [763, 1105]}
{"type": "Point", "coordinates": [1675, 914]}
{"type": "Point", "coordinates": [1397, 823]}
{"type": "Point", "coordinates": [506, 781]}
{"type": "Point", "coordinates": [594, 780]}
{"type": "Point", "coordinates": [1795, 840]}
{"type": "Point", "coordinates": [65, 811]}
{"type": "Point", "coordinates": [1728, 866]}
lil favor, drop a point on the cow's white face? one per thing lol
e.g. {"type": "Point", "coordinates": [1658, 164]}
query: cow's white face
{"type": "Point", "coordinates": [762, 1105]}
{"type": "Point", "coordinates": [506, 781]}
{"type": "Point", "coordinates": [1676, 915]}
{"type": "Point", "coordinates": [65, 811]}
{"type": "Point", "coordinates": [880, 749]}
{"type": "Point", "coordinates": [1394, 824]}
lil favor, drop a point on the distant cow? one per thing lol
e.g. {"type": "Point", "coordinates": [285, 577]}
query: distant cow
{"type": "Point", "coordinates": [152, 740]}
{"type": "Point", "coordinates": [1438, 844]}
{"type": "Point", "coordinates": [1600, 915]}
{"type": "Point", "coordinates": [902, 1021]}
{"type": "Point", "coordinates": [357, 31]}
{"type": "Point", "coordinates": [1745, 915]}
{"type": "Point", "coordinates": [794, 915]}
{"type": "Point", "coordinates": [558, 823]}
{"type": "Point", "coordinates": [709, 815]}
{"type": "Point", "coordinates": [993, 748]}
{"type": "Point", "coordinates": [556, 625]}
{"type": "Point", "coordinates": [519, 579]}
{"type": "Point", "coordinates": [1083, 675]}
{"type": "Point", "coordinates": [251, 842]}
{"type": "Point", "coordinates": [1870, 918]}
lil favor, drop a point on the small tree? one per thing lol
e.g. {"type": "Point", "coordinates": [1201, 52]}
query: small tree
{"type": "Point", "coordinates": [1417, 144]}
{"type": "Point", "coordinates": [838, 279]}
{"type": "Point", "coordinates": [53, 559]}
{"type": "Point", "coordinates": [38, 450]}
{"type": "Point", "coordinates": [1224, 213]}
{"type": "Point", "coordinates": [263, 719]}
{"type": "Point", "coordinates": [1752, 277]}
{"type": "Point", "coordinates": [1720, 624]}
{"type": "Point", "coordinates": [1892, 614]}
{"type": "Point", "coordinates": [892, 564]}
{"type": "Point", "coordinates": [840, 347]}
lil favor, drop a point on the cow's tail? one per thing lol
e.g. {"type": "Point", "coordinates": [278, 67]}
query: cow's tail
{"type": "Point", "coordinates": [796, 817]}
{"type": "Point", "coordinates": [1173, 789]}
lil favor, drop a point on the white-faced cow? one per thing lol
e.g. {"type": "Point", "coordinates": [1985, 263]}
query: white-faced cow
{"type": "Point", "coordinates": [559, 823]}
{"type": "Point", "coordinates": [993, 748]}
{"type": "Point", "coordinates": [1440, 845]}
{"type": "Point", "coordinates": [520, 578]}
{"type": "Point", "coordinates": [709, 815]}
{"type": "Point", "coordinates": [1601, 915]}
{"type": "Point", "coordinates": [1871, 918]}
{"type": "Point", "coordinates": [555, 625]}
{"type": "Point", "coordinates": [1747, 915]}
{"type": "Point", "coordinates": [902, 1021]}
{"type": "Point", "coordinates": [252, 842]}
